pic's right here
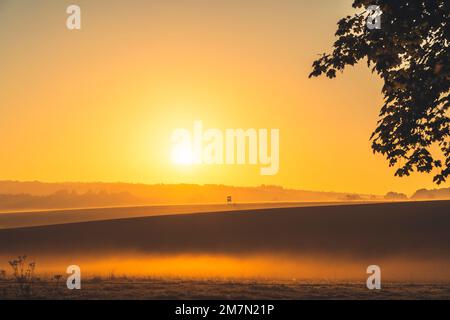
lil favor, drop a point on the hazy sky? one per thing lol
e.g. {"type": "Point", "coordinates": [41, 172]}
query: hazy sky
{"type": "Point", "coordinates": [100, 104]}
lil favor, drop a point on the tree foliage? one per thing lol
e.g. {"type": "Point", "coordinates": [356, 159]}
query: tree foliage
{"type": "Point", "coordinates": [411, 54]}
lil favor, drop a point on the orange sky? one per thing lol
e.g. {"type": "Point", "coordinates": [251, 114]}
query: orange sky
{"type": "Point", "coordinates": [100, 104]}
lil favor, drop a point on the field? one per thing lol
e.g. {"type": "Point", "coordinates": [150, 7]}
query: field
{"type": "Point", "coordinates": [298, 252]}
{"type": "Point", "coordinates": [168, 289]}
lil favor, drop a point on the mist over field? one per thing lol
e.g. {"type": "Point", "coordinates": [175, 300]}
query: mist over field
{"type": "Point", "coordinates": [410, 240]}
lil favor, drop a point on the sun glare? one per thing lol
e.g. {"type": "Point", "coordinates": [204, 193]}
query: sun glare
{"type": "Point", "coordinates": [182, 155]}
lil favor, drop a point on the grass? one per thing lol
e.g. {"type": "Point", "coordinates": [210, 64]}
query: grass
{"type": "Point", "coordinates": [171, 288]}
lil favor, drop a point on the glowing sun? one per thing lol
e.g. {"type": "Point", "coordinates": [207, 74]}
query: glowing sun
{"type": "Point", "coordinates": [182, 155]}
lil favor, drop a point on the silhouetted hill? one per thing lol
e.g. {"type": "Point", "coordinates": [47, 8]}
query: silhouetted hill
{"type": "Point", "coordinates": [424, 194]}
{"type": "Point", "coordinates": [65, 199]}
{"type": "Point", "coordinates": [16, 194]}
